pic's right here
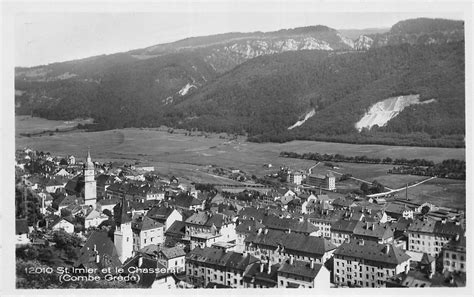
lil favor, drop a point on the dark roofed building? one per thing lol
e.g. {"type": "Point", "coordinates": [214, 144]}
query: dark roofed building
{"type": "Point", "coordinates": [261, 275]}
{"type": "Point", "coordinates": [210, 264]}
{"type": "Point", "coordinates": [300, 274]}
{"type": "Point", "coordinates": [376, 263]}
{"type": "Point", "coordinates": [98, 252]}
{"type": "Point", "coordinates": [278, 245]}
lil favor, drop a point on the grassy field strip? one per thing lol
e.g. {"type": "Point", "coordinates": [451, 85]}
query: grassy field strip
{"type": "Point", "coordinates": [400, 189]}
{"type": "Point", "coordinates": [358, 179]}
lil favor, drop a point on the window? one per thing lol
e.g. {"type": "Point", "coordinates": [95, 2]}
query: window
{"type": "Point", "coordinates": [453, 256]}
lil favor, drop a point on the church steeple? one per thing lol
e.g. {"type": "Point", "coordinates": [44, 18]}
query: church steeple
{"type": "Point", "coordinates": [90, 187]}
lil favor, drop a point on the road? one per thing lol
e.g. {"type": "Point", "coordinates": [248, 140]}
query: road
{"type": "Point", "coordinates": [400, 189]}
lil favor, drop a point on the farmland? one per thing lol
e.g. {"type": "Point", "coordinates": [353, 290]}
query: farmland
{"type": "Point", "coordinates": [189, 156]}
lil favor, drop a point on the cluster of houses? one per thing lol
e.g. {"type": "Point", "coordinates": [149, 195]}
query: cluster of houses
{"type": "Point", "coordinates": [174, 236]}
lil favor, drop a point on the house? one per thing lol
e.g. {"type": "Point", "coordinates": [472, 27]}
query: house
{"type": "Point", "coordinates": [64, 223]}
{"type": "Point", "coordinates": [187, 202]}
{"type": "Point", "coordinates": [176, 234]}
{"type": "Point", "coordinates": [429, 236]}
{"type": "Point", "coordinates": [149, 273]}
{"type": "Point", "coordinates": [454, 255]}
{"type": "Point", "coordinates": [53, 184]}
{"type": "Point", "coordinates": [261, 275]}
{"type": "Point", "coordinates": [146, 231]}
{"type": "Point", "coordinates": [98, 252]}
{"type": "Point", "coordinates": [211, 264]}
{"type": "Point", "coordinates": [243, 229]}
{"type": "Point", "coordinates": [214, 224]}
{"type": "Point", "coordinates": [420, 279]}
{"type": "Point", "coordinates": [295, 177]}
{"type": "Point", "coordinates": [173, 258]}
{"type": "Point", "coordinates": [297, 225]}
{"type": "Point", "coordinates": [368, 264]}
{"type": "Point", "coordinates": [108, 204]}
{"type": "Point", "coordinates": [300, 274]}
{"type": "Point", "coordinates": [373, 231]}
{"type": "Point", "coordinates": [204, 239]}
{"type": "Point", "coordinates": [277, 246]}
{"type": "Point", "coordinates": [342, 230]}
{"type": "Point", "coordinates": [323, 220]}
{"type": "Point", "coordinates": [103, 181]}
{"type": "Point", "coordinates": [395, 211]}
{"type": "Point", "coordinates": [94, 218]}
{"type": "Point", "coordinates": [165, 214]}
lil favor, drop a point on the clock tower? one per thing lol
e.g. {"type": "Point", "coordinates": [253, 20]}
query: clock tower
{"type": "Point", "coordinates": [90, 188]}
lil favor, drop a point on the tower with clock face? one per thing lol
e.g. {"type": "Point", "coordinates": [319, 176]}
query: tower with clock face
{"type": "Point", "coordinates": [90, 188]}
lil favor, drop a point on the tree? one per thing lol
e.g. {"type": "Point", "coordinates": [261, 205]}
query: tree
{"type": "Point", "coordinates": [364, 187]}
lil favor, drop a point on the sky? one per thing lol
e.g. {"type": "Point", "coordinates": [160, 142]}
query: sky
{"type": "Point", "coordinates": [43, 36]}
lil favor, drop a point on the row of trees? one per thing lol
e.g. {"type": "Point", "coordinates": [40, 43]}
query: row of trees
{"type": "Point", "coordinates": [453, 169]}
{"type": "Point", "coordinates": [356, 159]}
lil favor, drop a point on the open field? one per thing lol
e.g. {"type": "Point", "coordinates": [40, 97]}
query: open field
{"type": "Point", "coordinates": [32, 125]}
{"type": "Point", "coordinates": [189, 156]}
{"type": "Point", "coordinates": [441, 192]}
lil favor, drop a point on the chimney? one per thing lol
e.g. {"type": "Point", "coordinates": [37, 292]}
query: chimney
{"type": "Point", "coordinates": [97, 258]}
{"type": "Point", "coordinates": [443, 221]}
{"type": "Point", "coordinates": [407, 268]}
{"type": "Point", "coordinates": [457, 237]}
{"type": "Point", "coordinates": [387, 248]}
{"type": "Point", "coordinates": [266, 231]}
{"type": "Point", "coordinates": [259, 230]}
{"type": "Point", "coordinates": [311, 264]}
{"type": "Point", "coordinates": [289, 230]}
{"type": "Point", "coordinates": [269, 265]}
{"type": "Point", "coordinates": [291, 259]}
{"type": "Point", "coordinates": [261, 267]}
{"type": "Point", "coordinates": [95, 248]}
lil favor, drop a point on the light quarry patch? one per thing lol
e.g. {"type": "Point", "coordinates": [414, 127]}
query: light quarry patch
{"type": "Point", "coordinates": [383, 111]}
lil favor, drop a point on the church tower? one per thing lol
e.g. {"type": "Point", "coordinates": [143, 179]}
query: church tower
{"type": "Point", "coordinates": [90, 188]}
{"type": "Point", "coordinates": [123, 235]}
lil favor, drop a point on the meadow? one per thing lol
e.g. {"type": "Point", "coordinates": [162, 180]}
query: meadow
{"type": "Point", "coordinates": [189, 156]}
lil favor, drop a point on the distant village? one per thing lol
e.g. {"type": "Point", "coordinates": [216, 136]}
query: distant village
{"type": "Point", "coordinates": [82, 223]}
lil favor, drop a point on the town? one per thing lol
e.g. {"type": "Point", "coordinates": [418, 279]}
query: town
{"type": "Point", "coordinates": [82, 223]}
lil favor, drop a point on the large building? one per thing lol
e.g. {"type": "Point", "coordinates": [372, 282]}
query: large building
{"type": "Point", "coordinates": [278, 246]}
{"type": "Point", "coordinates": [429, 236]}
{"type": "Point", "coordinates": [327, 181]}
{"type": "Point", "coordinates": [216, 265]}
{"type": "Point", "coordinates": [365, 263]}
{"type": "Point", "coordinates": [454, 255]}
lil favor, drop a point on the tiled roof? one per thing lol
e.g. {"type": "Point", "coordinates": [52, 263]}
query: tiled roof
{"type": "Point", "coordinates": [151, 266]}
{"type": "Point", "coordinates": [291, 241]}
{"type": "Point", "coordinates": [293, 224]}
{"type": "Point", "coordinates": [346, 226]}
{"type": "Point", "coordinates": [143, 223]}
{"type": "Point", "coordinates": [248, 226]}
{"type": "Point", "coordinates": [160, 212]}
{"type": "Point", "coordinates": [177, 229]}
{"type": "Point", "coordinates": [101, 242]}
{"type": "Point", "coordinates": [431, 226]}
{"type": "Point", "coordinates": [253, 274]}
{"type": "Point", "coordinates": [373, 229]}
{"type": "Point", "coordinates": [456, 244]}
{"type": "Point", "coordinates": [173, 252]}
{"type": "Point", "coordinates": [217, 256]}
{"type": "Point", "coordinates": [326, 215]}
{"type": "Point", "coordinates": [372, 251]}
{"type": "Point", "coordinates": [300, 268]}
